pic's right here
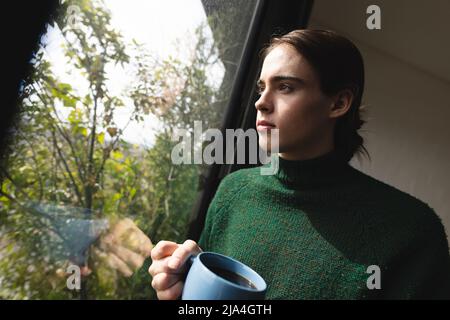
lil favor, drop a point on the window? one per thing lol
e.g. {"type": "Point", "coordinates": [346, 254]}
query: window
{"type": "Point", "coordinates": [90, 166]}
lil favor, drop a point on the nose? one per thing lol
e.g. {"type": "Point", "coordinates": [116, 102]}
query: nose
{"type": "Point", "coordinates": [264, 103]}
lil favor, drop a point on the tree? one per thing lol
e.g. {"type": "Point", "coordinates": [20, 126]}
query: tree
{"type": "Point", "coordinates": [69, 154]}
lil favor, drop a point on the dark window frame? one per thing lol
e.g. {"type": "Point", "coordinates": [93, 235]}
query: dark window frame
{"type": "Point", "coordinates": [270, 17]}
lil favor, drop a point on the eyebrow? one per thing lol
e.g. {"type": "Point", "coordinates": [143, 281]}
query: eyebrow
{"type": "Point", "coordinates": [283, 78]}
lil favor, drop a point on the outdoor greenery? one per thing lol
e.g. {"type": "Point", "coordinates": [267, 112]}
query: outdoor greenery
{"type": "Point", "coordinates": [69, 153]}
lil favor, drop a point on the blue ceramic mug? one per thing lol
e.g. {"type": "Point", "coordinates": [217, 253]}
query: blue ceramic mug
{"type": "Point", "coordinates": [213, 276]}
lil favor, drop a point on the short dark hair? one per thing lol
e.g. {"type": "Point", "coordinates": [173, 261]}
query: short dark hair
{"type": "Point", "coordinates": [339, 65]}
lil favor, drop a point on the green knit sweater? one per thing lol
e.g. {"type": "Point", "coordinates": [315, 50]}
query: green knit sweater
{"type": "Point", "coordinates": [313, 229]}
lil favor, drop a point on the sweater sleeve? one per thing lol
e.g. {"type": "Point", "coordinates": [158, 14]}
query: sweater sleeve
{"type": "Point", "coordinates": [424, 271]}
{"type": "Point", "coordinates": [204, 241]}
{"type": "Point", "coordinates": [229, 187]}
{"type": "Point", "coordinates": [215, 206]}
{"type": "Point", "coordinates": [433, 267]}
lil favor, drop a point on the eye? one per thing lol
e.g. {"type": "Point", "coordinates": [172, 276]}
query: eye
{"type": "Point", "coordinates": [259, 89]}
{"type": "Point", "coordinates": [285, 87]}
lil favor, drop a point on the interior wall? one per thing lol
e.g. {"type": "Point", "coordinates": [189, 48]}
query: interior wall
{"type": "Point", "coordinates": [407, 104]}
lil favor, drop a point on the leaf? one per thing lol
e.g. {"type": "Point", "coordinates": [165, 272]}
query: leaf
{"type": "Point", "coordinates": [116, 196]}
{"type": "Point", "coordinates": [117, 155]}
{"type": "Point", "coordinates": [101, 138]}
{"type": "Point", "coordinates": [118, 167]}
{"type": "Point", "coordinates": [61, 91]}
{"type": "Point", "coordinates": [69, 102]}
{"type": "Point", "coordinates": [64, 87]}
{"type": "Point", "coordinates": [88, 100]}
{"type": "Point", "coordinates": [112, 131]}
{"type": "Point", "coordinates": [74, 117]}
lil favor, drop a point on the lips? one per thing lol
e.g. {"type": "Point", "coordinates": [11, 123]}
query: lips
{"type": "Point", "coordinates": [264, 125]}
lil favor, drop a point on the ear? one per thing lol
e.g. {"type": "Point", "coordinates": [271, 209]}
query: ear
{"type": "Point", "coordinates": [341, 103]}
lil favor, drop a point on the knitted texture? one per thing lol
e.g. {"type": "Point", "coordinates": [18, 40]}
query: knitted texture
{"type": "Point", "coordinates": [313, 229]}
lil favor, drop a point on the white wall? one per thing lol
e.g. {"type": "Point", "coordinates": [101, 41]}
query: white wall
{"type": "Point", "coordinates": [408, 129]}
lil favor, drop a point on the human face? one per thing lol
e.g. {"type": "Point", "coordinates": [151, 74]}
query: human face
{"type": "Point", "coordinates": [291, 100]}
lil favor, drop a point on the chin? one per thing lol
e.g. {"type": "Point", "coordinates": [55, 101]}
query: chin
{"type": "Point", "coordinates": [268, 138]}
{"type": "Point", "coordinates": [263, 144]}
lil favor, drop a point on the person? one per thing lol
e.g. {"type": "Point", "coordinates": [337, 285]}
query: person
{"type": "Point", "coordinates": [318, 228]}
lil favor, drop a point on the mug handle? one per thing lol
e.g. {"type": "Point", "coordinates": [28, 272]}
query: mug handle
{"type": "Point", "coordinates": [190, 261]}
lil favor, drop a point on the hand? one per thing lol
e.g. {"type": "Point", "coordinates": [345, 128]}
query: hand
{"type": "Point", "coordinates": [168, 267]}
{"type": "Point", "coordinates": [124, 248]}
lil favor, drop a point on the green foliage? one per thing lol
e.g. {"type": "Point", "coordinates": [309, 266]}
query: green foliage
{"type": "Point", "coordinates": [70, 152]}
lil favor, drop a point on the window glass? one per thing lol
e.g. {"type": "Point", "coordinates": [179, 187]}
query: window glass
{"type": "Point", "coordinates": [89, 177]}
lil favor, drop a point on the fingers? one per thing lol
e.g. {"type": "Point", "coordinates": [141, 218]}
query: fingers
{"type": "Point", "coordinates": [171, 293]}
{"type": "Point", "coordinates": [163, 249]}
{"type": "Point", "coordinates": [134, 260]}
{"type": "Point", "coordinates": [116, 263]}
{"type": "Point", "coordinates": [121, 226]}
{"type": "Point", "coordinates": [168, 267]}
{"type": "Point", "coordinates": [128, 234]}
{"type": "Point", "coordinates": [160, 266]}
{"type": "Point", "coordinates": [118, 256]}
{"type": "Point", "coordinates": [145, 245]}
{"type": "Point", "coordinates": [112, 261]}
{"type": "Point", "coordinates": [182, 253]}
{"type": "Point", "coordinates": [110, 244]}
{"type": "Point", "coordinates": [163, 281]}
{"type": "Point", "coordinates": [126, 223]}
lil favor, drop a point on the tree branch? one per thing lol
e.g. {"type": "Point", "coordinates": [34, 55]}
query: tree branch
{"type": "Point", "coordinates": [113, 144]}
{"type": "Point", "coordinates": [16, 185]}
{"type": "Point", "coordinates": [65, 135]}
{"type": "Point", "coordinates": [41, 184]}
{"type": "Point", "coordinates": [66, 166]}
{"type": "Point", "coordinates": [90, 173]}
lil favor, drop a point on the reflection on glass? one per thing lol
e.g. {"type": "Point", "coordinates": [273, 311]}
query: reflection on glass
{"type": "Point", "coordinates": [88, 180]}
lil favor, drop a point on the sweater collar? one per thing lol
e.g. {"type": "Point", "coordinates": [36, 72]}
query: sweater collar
{"type": "Point", "coordinates": [324, 170]}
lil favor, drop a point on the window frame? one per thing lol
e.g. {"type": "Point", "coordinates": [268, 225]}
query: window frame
{"type": "Point", "coordinates": [269, 18]}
